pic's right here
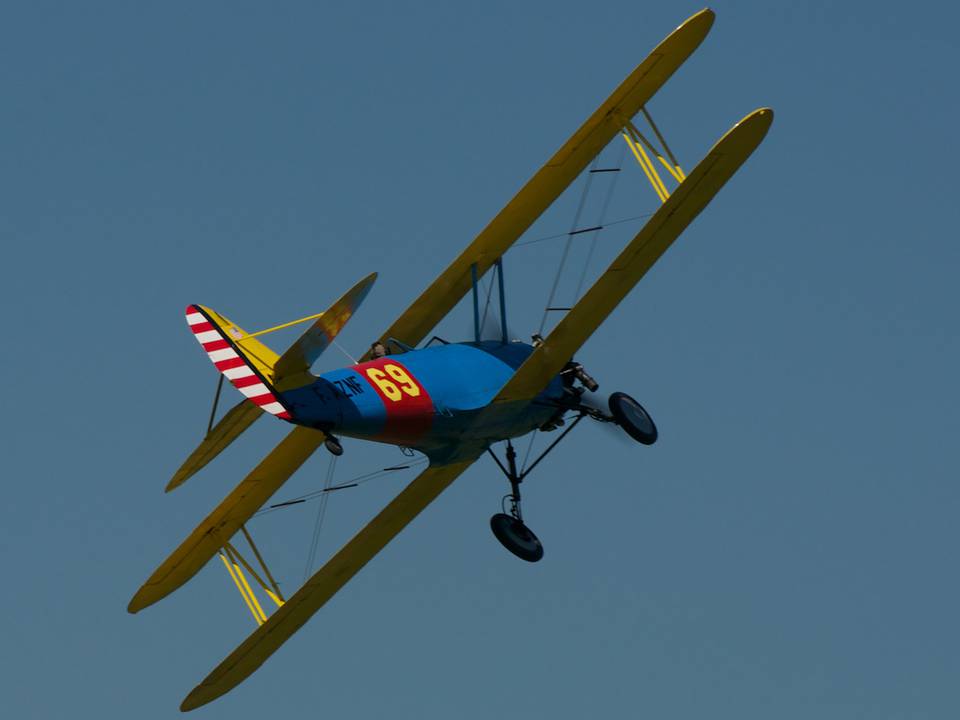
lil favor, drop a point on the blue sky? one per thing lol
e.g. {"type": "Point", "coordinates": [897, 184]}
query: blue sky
{"type": "Point", "coordinates": [786, 549]}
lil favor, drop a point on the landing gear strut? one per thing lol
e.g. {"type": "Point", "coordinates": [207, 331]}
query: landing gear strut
{"type": "Point", "coordinates": [509, 528]}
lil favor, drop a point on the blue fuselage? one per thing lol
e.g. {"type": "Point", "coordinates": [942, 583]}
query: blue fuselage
{"type": "Point", "coordinates": [427, 399]}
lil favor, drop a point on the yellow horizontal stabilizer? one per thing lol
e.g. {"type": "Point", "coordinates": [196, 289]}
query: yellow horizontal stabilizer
{"type": "Point", "coordinates": [231, 425]}
{"type": "Point", "coordinates": [692, 196]}
{"type": "Point", "coordinates": [550, 181]}
{"type": "Point", "coordinates": [290, 617]}
{"type": "Point", "coordinates": [302, 354]}
{"type": "Point", "coordinates": [221, 524]}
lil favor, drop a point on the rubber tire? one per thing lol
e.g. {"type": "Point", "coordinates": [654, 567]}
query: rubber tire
{"type": "Point", "coordinates": [635, 421]}
{"type": "Point", "coordinates": [516, 537]}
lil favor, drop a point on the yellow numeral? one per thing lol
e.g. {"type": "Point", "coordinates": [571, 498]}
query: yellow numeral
{"type": "Point", "coordinates": [389, 389]}
{"type": "Point", "coordinates": [405, 381]}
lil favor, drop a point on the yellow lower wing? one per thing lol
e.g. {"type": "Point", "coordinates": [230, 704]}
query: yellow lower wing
{"type": "Point", "coordinates": [220, 525]}
{"type": "Point", "coordinates": [692, 196]}
{"type": "Point", "coordinates": [291, 616]}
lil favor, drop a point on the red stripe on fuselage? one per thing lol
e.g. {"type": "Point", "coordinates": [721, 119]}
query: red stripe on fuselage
{"type": "Point", "coordinates": [408, 405]}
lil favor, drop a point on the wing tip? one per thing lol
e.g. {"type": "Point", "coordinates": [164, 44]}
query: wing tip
{"type": "Point", "coordinates": [141, 599]}
{"type": "Point", "coordinates": [175, 482]}
{"type": "Point", "coordinates": [761, 119]}
{"type": "Point", "coordinates": [700, 22]}
{"type": "Point", "coordinates": [194, 700]}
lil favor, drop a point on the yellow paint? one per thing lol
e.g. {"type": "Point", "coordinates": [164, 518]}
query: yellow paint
{"type": "Point", "coordinates": [233, 576]}
{"type": "Point", "coordinates": [677, 172]}
{"type": "Point", "coordinates": [648, 170]}
{"type": "Point", "coordinates": [669, 168]}
{"type": "Point", "coordinates": [281, 327]}
{"type": "Point", "coordinates": [235, 555]}
{"type": "Point", "coordinates": [379, 378]}
{"type": "Point", "coordinates": [273, 597]}
{"type": "Point", "coordinates": [276, 594]}
{"type": "Point", "coordinates": [549, 182]}
{"type": "Point", "coordinates": [292, 369]}
{"type": "Point", "coordinates": [390, 389]}
{"type": "Point", "coordinates": [261, 616]}
{"type": "Point", "coordinates": [686, 202]}
{"type": "Point", "coordinates": [226, 519]}
{"type": "Point", "coordinates": [413, 325]}
{"type": "Point", "coordinates": [660, 187]}
{"type": "Point", "coordinates": [325, 583]}
{"type": "Point", "coordinates": [641, 141]}
{"type": "Point", "coordinates": [403, 379]}
{"type": "Point", "coordinates": [228, 429]}
{"type": "Point", "coordinates": [638, 137]}
{"type": "Point", "coordinates": [254, 351]}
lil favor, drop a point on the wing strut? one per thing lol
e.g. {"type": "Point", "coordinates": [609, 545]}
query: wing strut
{"type": "Point", "coordinates": [480, 321]}
{"type": "Point", "coordinates": [549, 181]}
{"type": "Point", "coordinates": [639, 145]}
{"type": "Point", "coordinates": [232, 560]}
{"type": "Point", "coordinates": [679, 210]}
{"type": "Point", "coordinates": [325, 583]}
{"type": "Point", "coordinates": [225, 520]}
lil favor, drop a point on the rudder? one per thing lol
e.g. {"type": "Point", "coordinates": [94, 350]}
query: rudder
{"type": "Point", "coordinates": [245, 361]}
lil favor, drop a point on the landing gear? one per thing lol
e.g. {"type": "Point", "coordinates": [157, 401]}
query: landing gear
{"type": "Point", "coordinates": [516, 537]}
{"type": "Point", "coordinates": [333, 445]}
{"type": "Point", "coordinates": [635, 421]}
{"type": "Point", "coordinates": [509, 528]}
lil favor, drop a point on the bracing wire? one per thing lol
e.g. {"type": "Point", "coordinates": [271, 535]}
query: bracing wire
{"type": "Point", "coordinates": [321, 512]}
{"type": "Point", "coordinates": [600, 224]}
{"type": "Point", "coordinates": [557, 236]}
{"type": "Point", "coordinates": [351, 483]}
{"type": "Point", "coordinates": [566, 247]}
{"type": "Point", "coordinates": [486, 305]}
{"type": "Point", "coordinates": [340, 348]}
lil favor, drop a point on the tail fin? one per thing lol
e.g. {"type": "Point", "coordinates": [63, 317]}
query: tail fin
{"type": "Point", "coordinates": [257, 371]}
{"type": "Point", "coordinates": [243, 360]}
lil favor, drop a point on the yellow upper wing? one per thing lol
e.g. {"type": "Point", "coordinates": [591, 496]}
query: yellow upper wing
{"type": "Point", "coordinates": [221, 524]}
{"type": "Point", "coordinates": [291, 616]}
{"type": "Point", "coordinates": [692, 196]}
{"type": "Point", "coordinates": [551, 180]}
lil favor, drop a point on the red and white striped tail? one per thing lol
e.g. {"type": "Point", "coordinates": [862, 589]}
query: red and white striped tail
{"type": "Point", "coordinates": [230, 360]}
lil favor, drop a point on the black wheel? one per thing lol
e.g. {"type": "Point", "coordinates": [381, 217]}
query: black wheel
{"type": "Point", "coordinates": [333, 445]}
{"type": "Point", "coordinates": [516, 537]}
{"type": "Point", "coordinates": [635, 421]}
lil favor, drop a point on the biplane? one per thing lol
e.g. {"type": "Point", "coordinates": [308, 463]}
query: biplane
{"type": "Point", "coordinates": [451, 401]}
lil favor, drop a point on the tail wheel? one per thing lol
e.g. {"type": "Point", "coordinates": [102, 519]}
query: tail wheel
{"type": "Point", "coordinates": [635, 421]}
{"type": "Point", "coordinates": [333, 446]}
{"type": "Point", "coordinates": [516, 537]}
